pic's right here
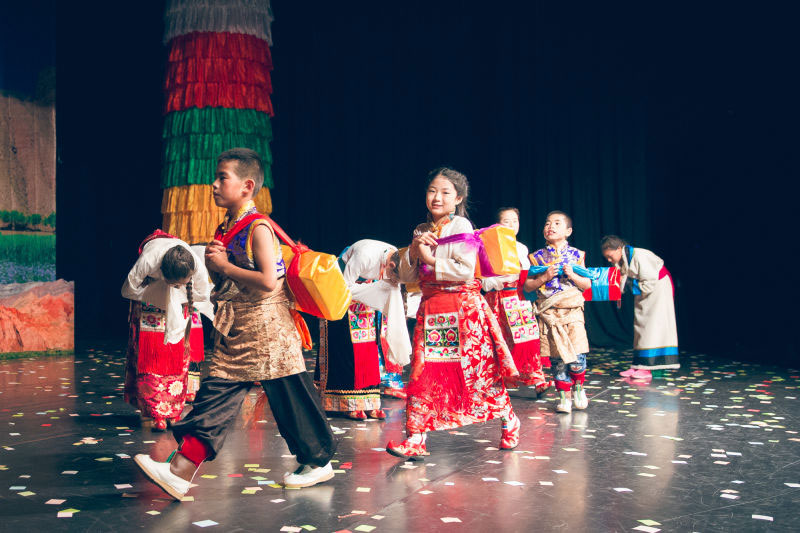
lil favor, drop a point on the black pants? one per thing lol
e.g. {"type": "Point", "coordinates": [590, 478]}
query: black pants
{"type": "Point", "coordinates": [294, 403]}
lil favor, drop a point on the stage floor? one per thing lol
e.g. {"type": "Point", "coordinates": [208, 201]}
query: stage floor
{"type": "Point", "coordinates": [713, 447]}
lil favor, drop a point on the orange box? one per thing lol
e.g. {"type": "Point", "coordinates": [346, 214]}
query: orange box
{"type": "Point", "coordinates": [500, 245]}
{"type": "Point", "coordinates": [323, 279]}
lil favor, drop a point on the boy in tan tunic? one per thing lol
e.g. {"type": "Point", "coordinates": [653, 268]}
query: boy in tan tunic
{"type": "Point", "coordinates": [255, 340]}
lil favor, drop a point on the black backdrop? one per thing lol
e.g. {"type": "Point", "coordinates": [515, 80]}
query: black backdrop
{"type": "Point", "coordinates": [673, 127]}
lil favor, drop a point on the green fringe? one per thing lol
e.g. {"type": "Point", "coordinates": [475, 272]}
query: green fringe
{"type": "Point", "coordinates": [193, 138]}
{"type": "Point", "coordinates": [209, 145]}
{"type": "Point", "coordinates": [198, 172]}
{"type": "Point", "coordinates": [218, 120]}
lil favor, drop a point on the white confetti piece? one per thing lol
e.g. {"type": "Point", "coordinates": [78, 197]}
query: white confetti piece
{"type": "Point", "coordinates": [514, 483]}
{"type": "Point", "coordinates": [762, 517]}
{"type": "Point", "coordinates": [292, 529]}
{"type": "Point", "coordinates": [205, 523]}
{"type": "Point", "coordinates": [546, 483]}
{"type": "Point", "coordinates": [793, 485]}
{"type": "Point", "coordinates": [646, 529]}
{"type": "Point", "coordinates": [560, 471]}
{"type": "Point", "coordinates": [449, 519]}
{"type": "Point", "coordinates": [623, 489]}
{"type": "Point", "coordinates": [123, 486]}
{"type": "Point", "coordinates": [490, 479]}
{"type": "Point", "coordinates": [278, 500]}
{"type": "Point", "coordinates": [426, 492]}
{"type": "Point", "coordinates": [54, 502]}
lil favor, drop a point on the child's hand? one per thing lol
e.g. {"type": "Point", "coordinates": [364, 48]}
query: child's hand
{"type": "Point", "coordinates": [423, 239]}
{"type": "Point", "coordinates": [550, 273]}
{"type": "Point", "coordinates": [216, 257]}
{"type": "Point", "coordinates": [568, 271]}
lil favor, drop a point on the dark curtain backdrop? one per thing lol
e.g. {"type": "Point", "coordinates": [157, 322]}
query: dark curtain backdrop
{"type": "Point", "coordinates": [670, 126]}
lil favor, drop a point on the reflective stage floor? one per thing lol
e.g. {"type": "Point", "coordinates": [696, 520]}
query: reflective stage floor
{"type": "Point", "coordinates": [711, 447]}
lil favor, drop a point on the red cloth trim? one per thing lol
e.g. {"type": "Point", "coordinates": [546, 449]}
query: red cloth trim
{"type": "Point", "coordinates": [157, 234]}
{"type": "Point", "coordinates": [365, 361]}
{"type": "Point", "coordinates": [442, 385]}
{"type": "Point", "coordinates": [196, 352]}
{"type": "Point", "coordinates": [228, 236]}
{"type": "Point", "coordinates": [194, 449]}
{"type": "Point", "coordinates": [155, 357]}
{"type": "Point", "coordinates": [219, 45]}
{"type": "Point", "coordinates": [217, 70]}
{"type": "Point", "coordinates": [526, 358]}
{"type": "Point", "coordinates": [578, 378]}
{"type": "Point", "coordinates": [231, 96]}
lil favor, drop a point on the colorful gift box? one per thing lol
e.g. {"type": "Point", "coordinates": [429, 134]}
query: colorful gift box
{"type": "Point", "coordinates": [498, 254]}
{"type": "Point", "coordinates": [605, 287]}
{"type": "Point", "coordinates": [322, 280]}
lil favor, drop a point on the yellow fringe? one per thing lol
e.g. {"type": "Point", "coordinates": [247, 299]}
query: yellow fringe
{"type": "Point", "coordinates": [190, 214]}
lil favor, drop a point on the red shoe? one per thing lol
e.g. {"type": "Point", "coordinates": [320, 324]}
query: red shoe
{"type": "Point", "coordinates": [189, 397]}
{"type": "Point", "coordinates": [407, 450]}
{"type": "Point", "coordinates": [395, 393]}
{"type": "Point", "coordinates": [377, 413]}
{"type": "Point", "coordinates": [357, 415]}
{"type": "Point", "coordinates": [510, 436]}
{"type": "Point", "coordinates": [160, 424]}
{"type": "Point", "coordinates": [542, 388]}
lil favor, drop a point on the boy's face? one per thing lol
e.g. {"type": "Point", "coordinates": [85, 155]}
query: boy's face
{"type": "Point", "coordinates": [613, 256]}
{"type": "Point", "coordinates": [555, 229]}
{"type": "Point", "coordinates": [510, 219]}
{"type": "Point", "coordinates": [228, 188]}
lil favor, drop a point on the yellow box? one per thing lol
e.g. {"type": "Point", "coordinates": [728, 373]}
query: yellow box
{"type": "Point", "coordinates": [500, 245]}
{"type": "Point", "coordinates": [323, 279]}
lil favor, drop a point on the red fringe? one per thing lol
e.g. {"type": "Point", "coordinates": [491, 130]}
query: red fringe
{"type": "Point", "coordinates": [441, 386]}
{"type": "Point", "coordinates": [526, 357]}
{"type": "Point", "coordinates": [228, 95]}
{"type": "Point", "coordinates": [220, 45]}
{"type": "Point", "coordinates": [217, 70]}
{"type": "Point", "coordinates": [367, 367]}
{"type": "Point", "coordinates": [155, 357]}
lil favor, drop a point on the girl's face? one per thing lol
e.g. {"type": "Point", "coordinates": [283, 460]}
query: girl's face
{"type": "Point", "coordinates": [441, 198]}
{"type": "Point", "coordinates": [510, 219]}
{"type": "Point", "coordinates": [613, 256]}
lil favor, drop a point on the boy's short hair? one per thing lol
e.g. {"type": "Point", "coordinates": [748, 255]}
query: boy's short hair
{"type": "Point", "coordinates": [562, 213]}
{"type": "Point", "coordinates": [248, 165]}
{"type": "Point", "coordinates": [504, 209]}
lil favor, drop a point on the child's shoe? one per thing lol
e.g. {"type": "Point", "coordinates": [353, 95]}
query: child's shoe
{"type": "Point", "coordinates": [174, 476]}
{"type": "Point", "coordinates": [579, 399]}
{"type": "Point", "coordinates": [357, 415]}
{"type": "Point", "coordinates": [380, 414]}
{"type": "Point", "coordinates": [564, 403]}
{"type": "Point", "coordinates": [412, 448]}
{"type": "Point", "coordinates": [641, 374]}
{"type": "Point", "coordinates": [307, 476]}
{"type": "Point", "coordinates": [542, 388]}
{"type": "Point", "coordinates": [510, 436]}
{"type": "Point", "coordinates": [627, 373]}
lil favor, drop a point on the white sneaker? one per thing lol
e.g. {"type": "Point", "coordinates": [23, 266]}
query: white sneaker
{"type": "Point", "coordinates": [579, 399]}
{"type": "Point", "coordinates": [564, 406]}
{"type": "Point", "coordinates": [307, 475]}
{"type": "Point", "coordinates": [161, 475]}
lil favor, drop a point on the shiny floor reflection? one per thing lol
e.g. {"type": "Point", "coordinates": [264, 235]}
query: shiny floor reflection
{"type": "Point", "coordinates": [712, 447]}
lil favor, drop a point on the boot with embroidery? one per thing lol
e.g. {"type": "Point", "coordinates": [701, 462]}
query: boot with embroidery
{"type": "Point", "coordinates": [413, 448]}
{"type": "Point", "coordinates": [509, 438]}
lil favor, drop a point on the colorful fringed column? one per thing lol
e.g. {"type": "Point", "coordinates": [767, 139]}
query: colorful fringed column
{"type": "Point", "coordinates": [218, 90]}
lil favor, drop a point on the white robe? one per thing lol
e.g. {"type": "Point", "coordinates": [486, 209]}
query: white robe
{"type": "Point", "coordinates": [160, 294]}
{"type": "Point", "coordinates": [364, 259]}
{"type": "Point", "coordinates": [654, 310]}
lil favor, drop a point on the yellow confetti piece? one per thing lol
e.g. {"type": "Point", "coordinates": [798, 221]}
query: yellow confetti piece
{"type": "Point", "coordinates": [364, 527]}
{"type": "Point", "coordinates": [153, 512]}
{"type": "Point", "coordinates": [208, 476]}
{"type": "Point", "coordinates": [251, 466]}
{"type": "Point", "coordinates": [248, 491]}
{"type": "Point", "coordinates": [187, 499]}
{"type": "Point", "coordinates": [363, 489]}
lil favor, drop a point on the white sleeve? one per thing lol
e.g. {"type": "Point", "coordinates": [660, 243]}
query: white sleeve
{"type": "Point", "coordinates": [645, 267]}
{"type": "Point", "coordinates": [456, 261]}
{"type": "Point", "coordinates": [409, 273]}
{"type": "Point", "coordinates": [149, 261]}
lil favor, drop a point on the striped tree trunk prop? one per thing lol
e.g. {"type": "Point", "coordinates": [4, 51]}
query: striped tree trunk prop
{"type": "Point", "coordinates": [218, 90]}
